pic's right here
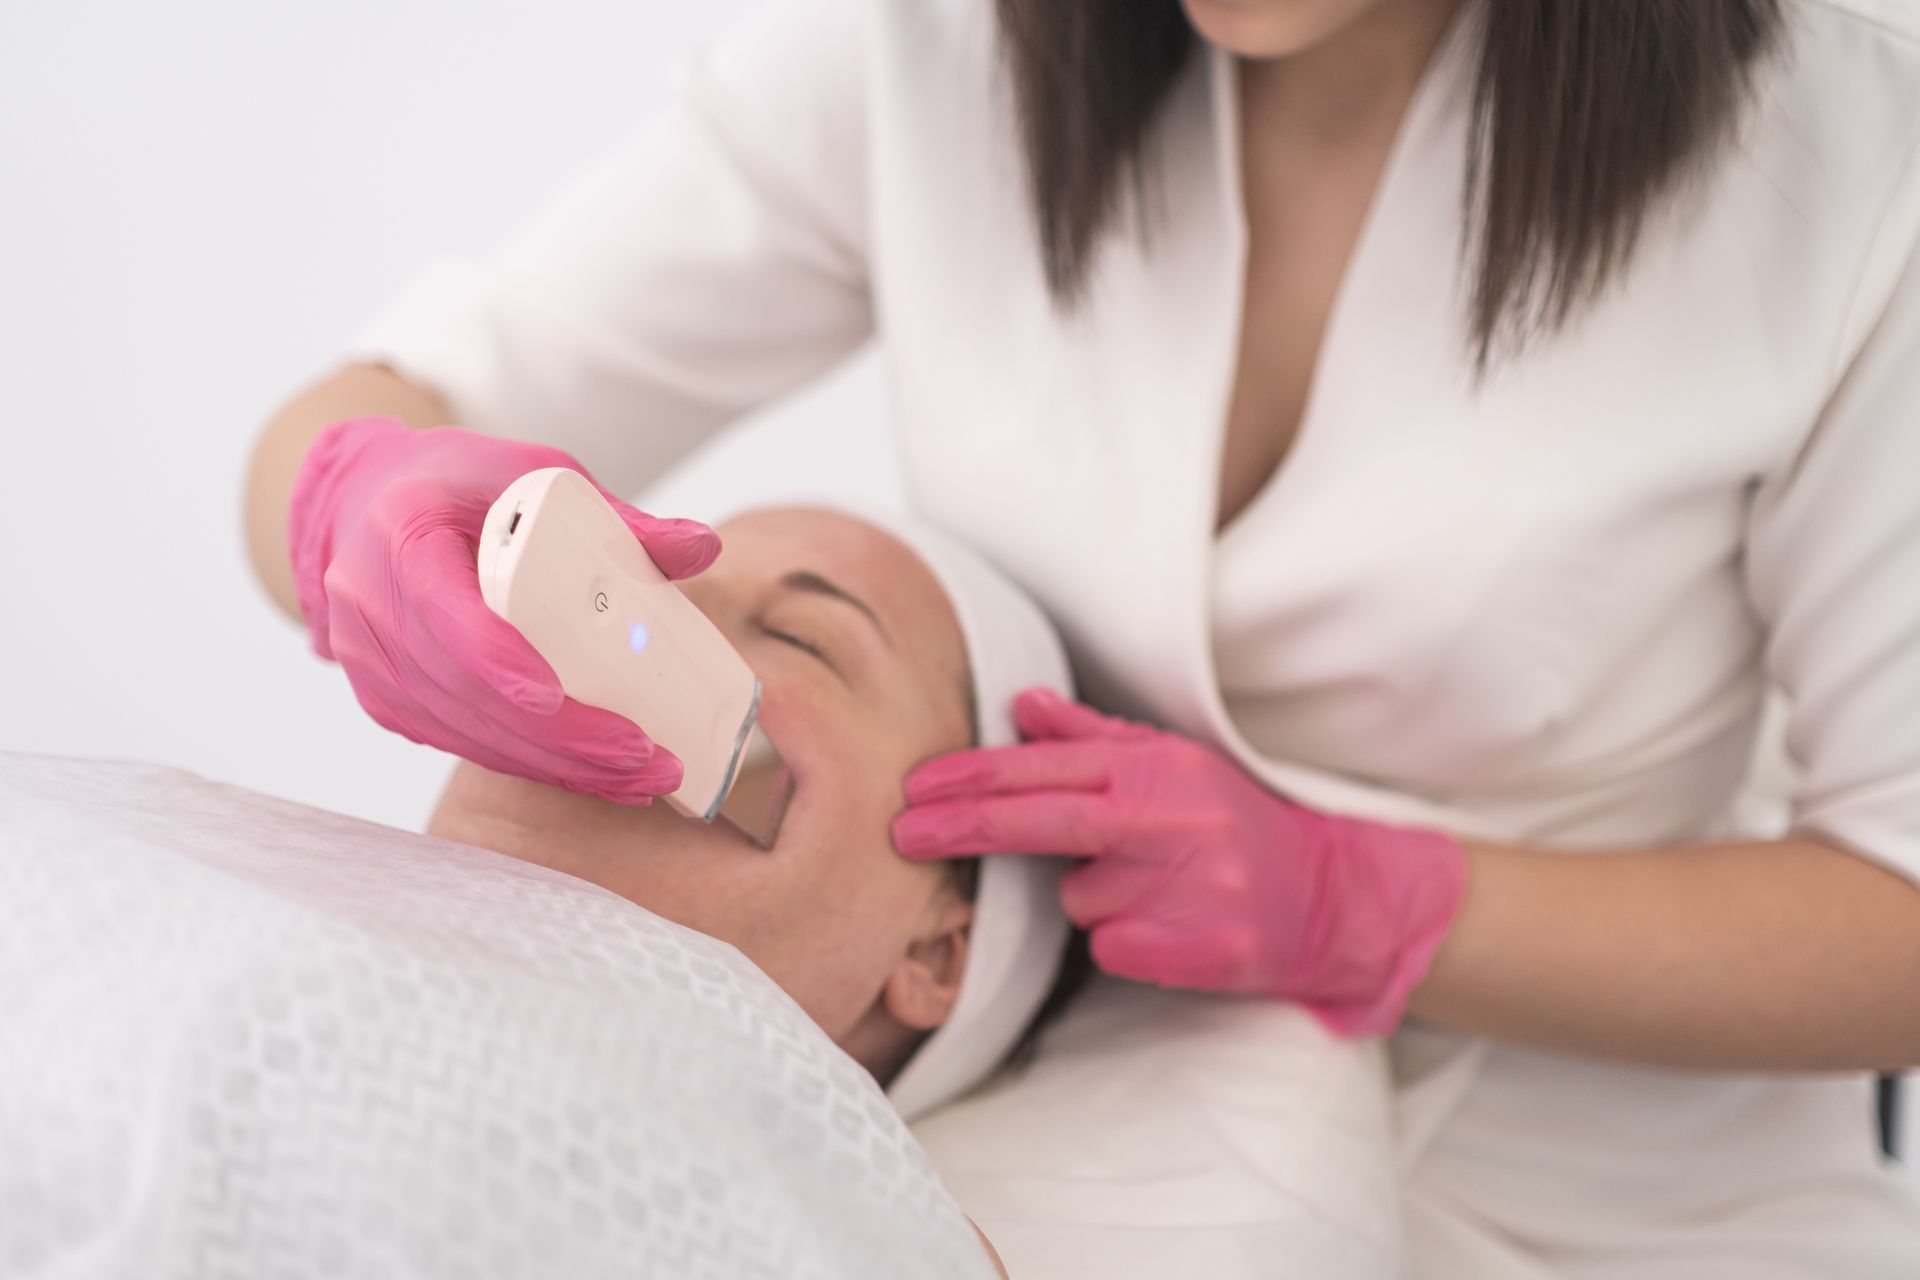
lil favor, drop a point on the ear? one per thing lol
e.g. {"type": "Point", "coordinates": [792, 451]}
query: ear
{"type": "Point", "coordinates": [926, 980]}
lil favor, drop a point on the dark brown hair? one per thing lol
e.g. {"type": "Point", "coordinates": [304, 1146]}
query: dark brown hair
{"type": "Point", "coordinates": [1076, 969]}
{"type": "Point", "coordinates": [1585, 113]}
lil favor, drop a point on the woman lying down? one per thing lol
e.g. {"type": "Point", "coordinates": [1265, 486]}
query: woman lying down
{"type": "Point", "coordinates": [247, 1038]}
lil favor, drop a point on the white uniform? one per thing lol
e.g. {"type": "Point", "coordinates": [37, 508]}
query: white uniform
{"type": "Point", "coordinates": [1545, 612]}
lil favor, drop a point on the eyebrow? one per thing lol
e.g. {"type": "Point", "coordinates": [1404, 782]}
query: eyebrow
{"type": "Point", "coordinates": [813, 583]}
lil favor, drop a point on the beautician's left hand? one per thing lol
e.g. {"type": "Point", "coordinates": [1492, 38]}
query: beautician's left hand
{"type": "Point", "coordinates": [1198, 876]}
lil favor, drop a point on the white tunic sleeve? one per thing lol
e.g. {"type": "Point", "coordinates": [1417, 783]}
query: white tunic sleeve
{"type": "Point", "coordinates": [713, 259]}
{"type": "Point", "coordinates": [1833, 565]}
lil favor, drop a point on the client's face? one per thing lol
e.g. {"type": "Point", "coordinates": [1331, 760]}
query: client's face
{"type": "Point", "coordinates": [863, 675]}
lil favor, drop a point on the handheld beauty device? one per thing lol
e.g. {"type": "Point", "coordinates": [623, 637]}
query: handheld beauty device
{"type": "Point", "coordinates": [561, 565]}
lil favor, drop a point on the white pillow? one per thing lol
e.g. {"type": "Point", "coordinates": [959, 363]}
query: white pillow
{"type": "Point", "coordinates": [241, 1038]}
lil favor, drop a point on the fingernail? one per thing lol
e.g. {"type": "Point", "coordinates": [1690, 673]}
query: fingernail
{"type": "Point", "coordinates": [637, 788]}
{"type": "Point", "coordinates": [684, 557]}
{"type": "Point", "coordinates": [937, 780]}
{"type": "Point", "coordinates": [680, 532]}
{"type": "Point", "coordinates": [628, 754]}
{"type": "Point", "coordinates": [1037, 699]}
{"type": "Point", "coordinates": [663, 773]}
{"type": "Point", "coordinates": [1030, 710]}
{"type": "Point", "coordinates": [915, 835]}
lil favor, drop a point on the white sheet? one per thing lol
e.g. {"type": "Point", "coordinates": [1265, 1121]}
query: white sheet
{"type": "Point", "coordinates": [1166, 1134]}
{"type": "Point", "coordinates": [241, 1038]}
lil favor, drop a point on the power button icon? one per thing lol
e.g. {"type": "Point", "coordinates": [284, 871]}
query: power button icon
{"type": "Point", "coordinates": [599, 602]}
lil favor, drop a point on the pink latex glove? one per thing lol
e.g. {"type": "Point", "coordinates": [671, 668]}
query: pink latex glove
{"type": "Point", "coordinates": [1197, 876]}
{"type": "Point", "coordinates": [383, 528]}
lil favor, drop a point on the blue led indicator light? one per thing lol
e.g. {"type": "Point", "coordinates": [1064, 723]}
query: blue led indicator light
{"type": "Point", "coordinates": [637, 636]}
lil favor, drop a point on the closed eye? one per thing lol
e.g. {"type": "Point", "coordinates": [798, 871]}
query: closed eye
{"type": "Point", "coordinates": [789, 638]}
{"type": "Point", "coordinates": [805, 646]}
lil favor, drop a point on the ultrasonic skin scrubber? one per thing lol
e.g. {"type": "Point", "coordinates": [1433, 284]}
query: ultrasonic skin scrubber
{"type": "Point", "coordinates": [560, 564]}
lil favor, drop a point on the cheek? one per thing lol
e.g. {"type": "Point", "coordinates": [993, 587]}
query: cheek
{"type": "Point", "coordinates": [832, 907]}
{"type": "Point", "coordinates": [834, 919]}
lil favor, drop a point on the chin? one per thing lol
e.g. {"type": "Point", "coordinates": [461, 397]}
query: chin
{"type": "Point", "coordinates": [1268, 28]}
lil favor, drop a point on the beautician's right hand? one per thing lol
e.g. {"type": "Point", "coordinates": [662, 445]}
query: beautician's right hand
{"type": "Point", "coordinates": [383, 526]}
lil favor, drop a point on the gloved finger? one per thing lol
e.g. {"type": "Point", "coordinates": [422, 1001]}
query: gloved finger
{"type": "Point", "coordinates": [1030, 766]}
{"type": "Point", "coordinates": [522, 758]}
{"type": "Point", "coordinates": [421, 725]}
{"type": "Point", "coordinates": [579, 722]}
{"type": "Point", "coordinates": [1043, 714]}
{"type": "Point", "coordinates": [678, 548]}
{"type": "Point", "coordinates": [1099, 890]}
{"type": "Point", "coordinates": [543, 767]}
{"type": "Point", "coordinates": [1078, 823]}
{"type": "Point", "coordinates": [1149, 950]}
{"type": "Point", "coordinates": [581, 748]}
{"type": "Point", "coordinates": [621, 758]}
{"type": "Point", "coordinates": [406, 704]}
{"type": "Point", "coordinates": [444, 595]}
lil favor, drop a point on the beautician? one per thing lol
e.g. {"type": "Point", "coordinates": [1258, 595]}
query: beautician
{"type": "Point", "coordinates": [1442, 422]}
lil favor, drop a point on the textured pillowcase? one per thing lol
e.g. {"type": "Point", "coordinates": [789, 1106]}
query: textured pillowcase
{"type": "Point", "coordinates": [243, 1037]}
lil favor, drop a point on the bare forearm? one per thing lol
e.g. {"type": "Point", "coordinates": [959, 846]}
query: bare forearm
{"type": "Point", "coordinates": [361, 390]}
{"type": "Point", "coordinates": [1785, 955]}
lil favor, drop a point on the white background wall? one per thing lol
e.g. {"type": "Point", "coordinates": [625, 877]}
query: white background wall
{"type": "Point", "coordinates": [199, 202]}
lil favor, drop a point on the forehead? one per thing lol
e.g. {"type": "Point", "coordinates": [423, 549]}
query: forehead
{"type": "Point", "coordinates": [866, 561]}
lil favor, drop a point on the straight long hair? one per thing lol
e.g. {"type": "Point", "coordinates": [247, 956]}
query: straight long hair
{"type": "Point", "coordinates": [1586, 113]}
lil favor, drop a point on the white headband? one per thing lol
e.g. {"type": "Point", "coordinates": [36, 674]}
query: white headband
{"type": "Point", "coordinates": [1019, 931]}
